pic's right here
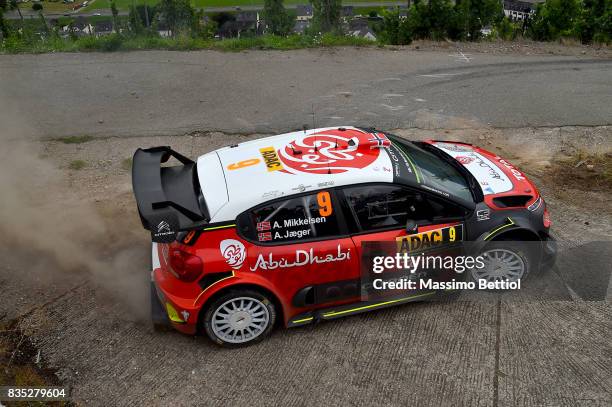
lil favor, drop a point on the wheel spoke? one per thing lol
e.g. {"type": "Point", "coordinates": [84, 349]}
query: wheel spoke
{"type": "Point", "coordinates": [240, 320]}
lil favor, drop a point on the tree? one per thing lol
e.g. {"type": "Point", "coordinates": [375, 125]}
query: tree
{"type": "Point", "coordinates": [595, 21]}
{"type": "Point", "coordinates": [276, 18]}
{"type": "Point", "coordinates": [430, 20]}
{"type": "Point", "coordinates": [3, 27]}
{"type": "Point", "coordinates": [136, 25]}
{"type": "Point", "coordinates": [326, 14]}
{"type": "Point", "coordinates": [395, 31]}
{"type": "Point", "coordinates": [37, 7]}
{"type": "Point", "coordinates": [507, 30]}
{"type": "Point", "coordinates": [459, 27]}
{"type": "Point", "coordinates": [483, 13]}
{"type": "Point", "coordinates": [555, 19]}
{"type": "Point", "coordinates": [14, 5]}
{"type": "Point", "coordinates": [115, 13]}
{"type": "Point", "coordinates": [146, 13]}
{"type": "Point", "coordinates": [178, 14]}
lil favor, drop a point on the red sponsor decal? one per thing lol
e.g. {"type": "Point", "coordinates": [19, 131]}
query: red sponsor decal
{"type": "Point", "coordinates": [265, 236]}
{"type": "Point", "coordinates": [261, 226]}
{"type": "Point", "coordinates": [465, 160]}
{"type": "Point", "coordinates": [330, 152]}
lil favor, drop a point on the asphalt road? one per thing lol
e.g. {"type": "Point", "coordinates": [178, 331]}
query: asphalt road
{"type": "Point", "coordinates": [164, 92]}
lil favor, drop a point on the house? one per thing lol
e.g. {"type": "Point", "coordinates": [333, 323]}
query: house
{"type": "Point", "coordinates": [364, 32]}
{"type": "Point", "coordinates": [163, 30]}
{"type": "Point", "coordinates": [251, 17]}
{"type": "Point", "coordinates": [357, 23]}
{"type": "Point", "coordinates": [300, 26]}
{"type": "Point", "coordinates": [519, 9]}
{"type": "Point", "coordinates": [103, 28]}
{"type": "Point", "coordinates": [303, 12]}
{"type": "Point", "coordinates": [234, 28]}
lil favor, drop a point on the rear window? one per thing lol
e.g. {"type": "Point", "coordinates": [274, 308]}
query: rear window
{"type": "Point", "coordinates": [436, 173]}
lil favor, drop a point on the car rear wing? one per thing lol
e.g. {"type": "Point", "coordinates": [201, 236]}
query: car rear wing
{"type": "Point", "coordinates": [169, 198]}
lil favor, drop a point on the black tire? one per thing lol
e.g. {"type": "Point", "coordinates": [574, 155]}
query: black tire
{"type": "Point", "coordinates": [215, 309]}
{"type": "Point", "coordinates": [524, 252]}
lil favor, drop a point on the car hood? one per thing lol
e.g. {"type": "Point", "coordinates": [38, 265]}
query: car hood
{"type": "Point", "coordinates": [496, 176]}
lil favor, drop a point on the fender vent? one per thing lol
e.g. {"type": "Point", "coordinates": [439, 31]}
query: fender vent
{"type": "Point", "coordinates": [512, 201]}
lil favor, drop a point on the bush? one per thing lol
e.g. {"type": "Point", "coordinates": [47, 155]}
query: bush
{"type": "Point", "coordinates": [506, 30]}
{"type": "Point", "coordinates": [394, 31]}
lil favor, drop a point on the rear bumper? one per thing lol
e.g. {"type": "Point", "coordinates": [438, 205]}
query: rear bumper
{"type": "Point", "coordinates": [167, 308]}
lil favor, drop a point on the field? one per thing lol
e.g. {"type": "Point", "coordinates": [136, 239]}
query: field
{"type": "Point", "coordinates": [124, 4]}
{"type": "Point", "coordinates": [49, 7]}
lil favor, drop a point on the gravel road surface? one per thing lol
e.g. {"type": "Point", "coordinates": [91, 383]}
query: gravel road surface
{"type": "Point", "coordinates": [90, 323]}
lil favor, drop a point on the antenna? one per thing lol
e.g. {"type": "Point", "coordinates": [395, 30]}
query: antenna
{"type": "Point", "coordinates": [314, 126]}
{"type": "Point", "coordinates": [314, 123]}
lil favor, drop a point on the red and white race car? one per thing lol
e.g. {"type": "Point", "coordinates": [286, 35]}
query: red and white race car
{"type": "Point", "coordinates": [271, 230]}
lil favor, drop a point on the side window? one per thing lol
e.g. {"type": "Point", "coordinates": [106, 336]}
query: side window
{"type": "Point", "coordinates": [305, 217]}
{"type": "Point", "coordinates": [388, 206]}
{"type": "Point", "coordinates": [440, 209]}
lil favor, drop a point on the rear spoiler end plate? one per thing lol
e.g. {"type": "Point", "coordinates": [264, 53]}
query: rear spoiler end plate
{"type": "Point", "coordinates": [169, 199]}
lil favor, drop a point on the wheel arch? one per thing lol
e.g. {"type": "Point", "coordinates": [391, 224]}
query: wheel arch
{"type": "Point", "coordinates": [520, 233]}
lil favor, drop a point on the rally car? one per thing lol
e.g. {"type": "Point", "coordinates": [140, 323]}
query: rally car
{"type": "Point", "coordinates": [271, 230]}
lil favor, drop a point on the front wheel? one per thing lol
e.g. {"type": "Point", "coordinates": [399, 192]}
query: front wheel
{"type": "Point", "coordinates": [504, 261]}
{"type": "Point", "coordinates": [240, 317]}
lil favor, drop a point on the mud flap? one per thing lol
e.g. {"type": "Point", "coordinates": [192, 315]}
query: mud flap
{"type": "Point", "coordinates": [159, 318]}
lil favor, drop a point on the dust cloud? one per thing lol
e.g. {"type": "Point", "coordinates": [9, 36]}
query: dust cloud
{"type": "Point", "coordinates": [51, 235]}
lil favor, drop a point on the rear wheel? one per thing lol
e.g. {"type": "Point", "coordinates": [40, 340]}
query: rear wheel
{"type": "Point", "coordinates": [240, 317]}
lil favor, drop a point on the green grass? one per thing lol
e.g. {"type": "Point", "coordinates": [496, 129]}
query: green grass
{"type": "Point", "coordinates": [117, 42]}
{"type": "Point", "coordinates": [74, 139]}
{"type": "Point", "coordinates": [126, 164]}
{"type": "Point", "coordinates": [125, 4]}
{"type": "Point", "coordinates": [77, 165]}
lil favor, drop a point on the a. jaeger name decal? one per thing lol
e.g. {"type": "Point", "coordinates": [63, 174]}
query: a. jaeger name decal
{"type": "Point", "coordinates": [302, 258]}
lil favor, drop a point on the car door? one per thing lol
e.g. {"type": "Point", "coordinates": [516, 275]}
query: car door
{"type": "Point", "coordinates": [380, 212]}
{"type": "Point", "coordinates": [300, 244]}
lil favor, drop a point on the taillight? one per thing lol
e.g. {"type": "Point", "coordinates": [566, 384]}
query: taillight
{"type": "Point", "coordinates": [546, 219]}
{"type": "Point", "coordinates": [186, 266]}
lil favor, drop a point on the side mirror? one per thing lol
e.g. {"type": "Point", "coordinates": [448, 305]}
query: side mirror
{"type": "Point", "coordinates": [411, 227]}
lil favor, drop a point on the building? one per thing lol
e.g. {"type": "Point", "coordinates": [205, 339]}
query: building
{"type": "Point", "coordinates": [303, 12]}
{"type": "Point", "coordinates": [103, 28]}
{"type": "Point", "coordinates": [364, 32]}
{"type": "Point", "coordinates": [300, 26]}
{"type": "Point", "coordinates": [519, 9]}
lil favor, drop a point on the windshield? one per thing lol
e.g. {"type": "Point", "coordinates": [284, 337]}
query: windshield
{"type": "Point", "coordinates": [437, 173]}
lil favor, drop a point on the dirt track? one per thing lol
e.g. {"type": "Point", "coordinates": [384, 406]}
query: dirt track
{"type": "Point", "coordinates": [552, 350]}
{"type": "Point", "coordinates": [75, 258]}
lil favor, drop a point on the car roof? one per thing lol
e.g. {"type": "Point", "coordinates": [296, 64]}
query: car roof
{"type": "Point", "coordinates": [260, 170]}
{"type": "Point", "coordinates": [238, 177]}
